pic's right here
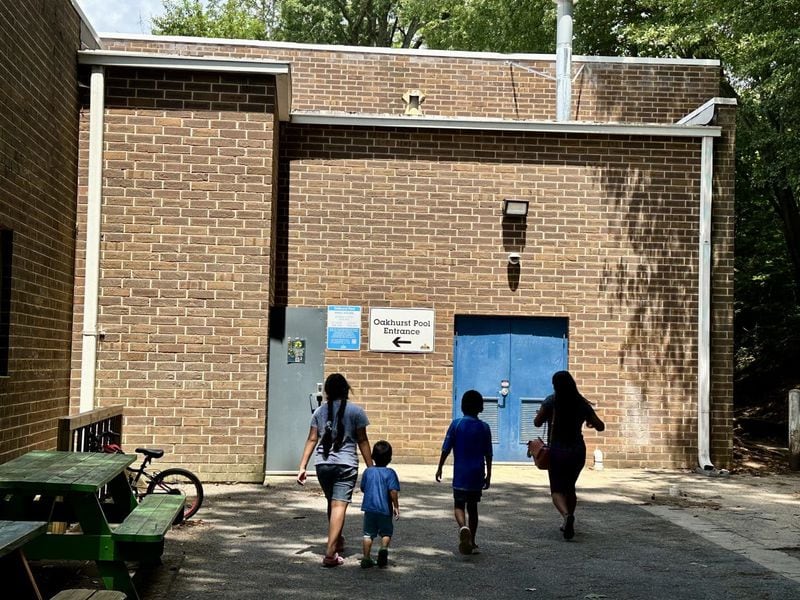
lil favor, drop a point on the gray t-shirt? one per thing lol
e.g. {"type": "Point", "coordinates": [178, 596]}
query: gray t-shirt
{"type": "Point", "coordinates": [354, 418]}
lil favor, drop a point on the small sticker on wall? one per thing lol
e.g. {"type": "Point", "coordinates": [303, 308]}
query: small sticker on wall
{"type": "Point", "coordinates": [296, 353]}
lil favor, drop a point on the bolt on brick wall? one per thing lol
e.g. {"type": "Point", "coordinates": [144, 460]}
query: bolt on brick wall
{"type": "Point", "coordinates": [481, 85]}
{"type": "Point", "coordinates": [185, 265]}
{"type": "Point", "coordinates": [38, 155]}
{"type": "Point", "coordinates": [412, 219]}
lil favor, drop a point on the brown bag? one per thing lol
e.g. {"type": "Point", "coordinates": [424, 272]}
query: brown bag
{"type": "Point", "coordinates": [538, 449]}
{"type": "Point", "coordinates": [540, 452]}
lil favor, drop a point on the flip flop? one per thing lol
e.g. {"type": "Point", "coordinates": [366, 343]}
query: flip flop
{"type": "Point", "coordinates": [332, 561]}
{"type": "Point", "coordinates": [464, 540]}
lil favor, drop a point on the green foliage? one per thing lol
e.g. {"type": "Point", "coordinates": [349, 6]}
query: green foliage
{"type": "Point", "coordinates": [231, 19]}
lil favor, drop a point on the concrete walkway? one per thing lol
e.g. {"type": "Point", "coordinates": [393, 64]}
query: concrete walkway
{"type": "Point", "coordinates": [640, 534]}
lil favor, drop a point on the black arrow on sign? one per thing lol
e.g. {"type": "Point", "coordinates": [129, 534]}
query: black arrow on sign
{"type": "Point", "coordinates": [397, 341]}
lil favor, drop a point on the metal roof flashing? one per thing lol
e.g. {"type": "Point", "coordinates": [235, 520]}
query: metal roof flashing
{"type": "Point", "coordinates": [482, 124]}
{"type": "Point", "coordinates": [149, 60]}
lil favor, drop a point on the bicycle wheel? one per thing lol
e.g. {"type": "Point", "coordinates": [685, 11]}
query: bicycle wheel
{"type": "Point", "coordinates": [179, 481]}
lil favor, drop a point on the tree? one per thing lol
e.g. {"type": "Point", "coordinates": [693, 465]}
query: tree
{"type": "Point", "coordinates": [230, 19]}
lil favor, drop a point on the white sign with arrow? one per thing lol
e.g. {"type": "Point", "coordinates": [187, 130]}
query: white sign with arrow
{"type": "Point", "coordinates": [401, 329]}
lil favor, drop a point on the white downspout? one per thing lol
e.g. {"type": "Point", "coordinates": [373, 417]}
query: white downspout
{"type": "Point", "coordinates": [704, 309]}
{"type": "Point", "coordinates": [564, 60]}
{"type": "Point", "coordinates": [93, 212]}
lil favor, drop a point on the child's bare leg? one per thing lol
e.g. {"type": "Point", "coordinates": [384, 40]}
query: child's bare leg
{"type": "Point", "coordinates": [472, 511]}
{"type": "Point", "coordinates": [461, 517]}
{"type": "Point", "coordinates": [367, 546]}
{"type": "Point", "coordinates": [385, 541]}
{"type": "Point", "coordinates": [335, 525]}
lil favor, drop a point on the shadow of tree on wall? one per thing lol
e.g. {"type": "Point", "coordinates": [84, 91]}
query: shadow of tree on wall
{"type": "Point", "coordinates": [656, 287]}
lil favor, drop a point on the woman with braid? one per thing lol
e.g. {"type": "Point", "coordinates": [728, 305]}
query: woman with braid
{"type": "Point", "coordinates": [338, 428]}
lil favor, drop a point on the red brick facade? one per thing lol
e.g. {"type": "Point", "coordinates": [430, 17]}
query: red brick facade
{"type": "Point", "coordinates": [200, 240]}
{"type": "Point", "coordinates": [38, 185]}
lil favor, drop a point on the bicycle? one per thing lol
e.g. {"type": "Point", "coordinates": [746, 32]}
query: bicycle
{"type": "Point", "coordinates": [174, 480]}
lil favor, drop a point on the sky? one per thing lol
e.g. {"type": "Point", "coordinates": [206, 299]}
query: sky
{"type": "Point", "coordinates": [121, 16]}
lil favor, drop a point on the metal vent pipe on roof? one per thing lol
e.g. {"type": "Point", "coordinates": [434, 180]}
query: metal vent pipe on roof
{"type": "Point", "coordinates": [564, 60]}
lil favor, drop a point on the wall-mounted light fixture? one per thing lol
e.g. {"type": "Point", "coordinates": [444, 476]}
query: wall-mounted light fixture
{"type": "Point", "coordinates": [513, 207]}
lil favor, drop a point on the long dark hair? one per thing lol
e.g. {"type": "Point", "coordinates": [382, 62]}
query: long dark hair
{"type": "Point", "coordinates": [336, 388]}
{"type": "Point", "coordinates": [567, 397]}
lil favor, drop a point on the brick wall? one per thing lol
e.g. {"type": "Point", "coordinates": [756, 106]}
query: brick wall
{"type": "Point", "coordinates": [610, 243]}
{"type": "Point", "coordinates": [194, 253]}
{"type": "Point", "coordinates": [38, 158]}
{"type": "Point", "coordinates": [482, 86]}
{"type": "Point", "coordinates": [185, 265]}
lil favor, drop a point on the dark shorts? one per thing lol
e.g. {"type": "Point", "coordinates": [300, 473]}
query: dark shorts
{"type": "Point", "coordinates": [337, 481]}
{"type": "Point", "coordinates": [376, 524]}
{"type": "Point", "coordinates": [566, 465]}
{"type": "Point", "coordinates": [462, 497]}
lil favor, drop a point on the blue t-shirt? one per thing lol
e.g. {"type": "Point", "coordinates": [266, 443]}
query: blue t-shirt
{"type": "Point", "coordinates": [376, 483]}
{"type": "Point", "coordinates": [354, 418]}
{"type": "Point", "coordinates": [470, 439]}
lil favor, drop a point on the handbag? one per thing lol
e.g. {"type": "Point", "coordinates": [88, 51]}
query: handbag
{"type": "Point", "coordinates": [539, 450]}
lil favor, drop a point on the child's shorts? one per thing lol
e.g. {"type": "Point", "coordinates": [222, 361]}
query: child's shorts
{"type": "Point", "coordinates": [376, 524]}
{"type": "Point", "coordinates": [463, 497]}
{"type": "Point", "coordinates": [337, 481]}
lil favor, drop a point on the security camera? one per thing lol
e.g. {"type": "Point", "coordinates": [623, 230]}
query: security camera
{"type": "Point", "coordinates": [513, 258]}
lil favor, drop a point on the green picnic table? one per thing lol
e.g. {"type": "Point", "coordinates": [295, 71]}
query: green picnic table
{"type": "Point", "coordinates": [131, 532]}
{"type": "Point", "coordinates": [14, 569]}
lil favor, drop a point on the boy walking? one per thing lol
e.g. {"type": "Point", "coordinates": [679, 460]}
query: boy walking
{"type": "Point", "coordinates": [470, 439]}
{"type": "Point", "coordinates": [380, 486]}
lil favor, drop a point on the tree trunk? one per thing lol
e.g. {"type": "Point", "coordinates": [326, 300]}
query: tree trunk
{"type": "Point", "coordinates": [786, 205]}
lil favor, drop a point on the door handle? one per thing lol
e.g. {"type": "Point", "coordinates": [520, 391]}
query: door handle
{"type": "Point", "coordinates": [504, 386]}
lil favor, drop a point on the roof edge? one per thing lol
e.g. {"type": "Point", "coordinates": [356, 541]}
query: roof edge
{"type": "Point", "coordinates": [697, 62]}
{"type": "Point", "coordinates": [482, 124]}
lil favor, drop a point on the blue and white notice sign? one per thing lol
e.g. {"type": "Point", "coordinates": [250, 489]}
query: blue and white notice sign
{"type": "Point", "coordinates": [344, 327]}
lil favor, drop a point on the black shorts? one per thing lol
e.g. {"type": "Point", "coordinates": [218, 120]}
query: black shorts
{"type": "Point", "coordinates": [464, 497]}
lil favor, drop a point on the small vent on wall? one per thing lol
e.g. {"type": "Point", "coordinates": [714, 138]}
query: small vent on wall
{"type": "Point", "coordinates": [413, 100]}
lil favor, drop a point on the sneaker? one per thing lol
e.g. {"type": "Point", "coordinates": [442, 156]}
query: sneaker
{"type": "Point", "coordinates": [383, 557]}
{"type": "Point", "coordinates": [569, 527]}
{"type": "Point", "coordinates": [465, 540]}
{"type": "Point", "coordinates": [332, 561]}
{"type": "Point", "coordinates": [368, 563]}
{"type": "Point", "coordinates": [340, 544]}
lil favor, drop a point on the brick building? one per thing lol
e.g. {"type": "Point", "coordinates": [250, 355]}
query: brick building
{"type": "Point", "coordinates": [271, 213]}
{"type": "Point", "coordinates": [39, 114]}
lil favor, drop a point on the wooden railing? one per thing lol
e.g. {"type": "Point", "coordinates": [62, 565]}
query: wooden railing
{"type": "Point", "coordinates": [75, 431]}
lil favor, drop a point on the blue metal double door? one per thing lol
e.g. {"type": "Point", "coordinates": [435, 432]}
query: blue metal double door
{"type": "Point", "coordinates": [510, 361]}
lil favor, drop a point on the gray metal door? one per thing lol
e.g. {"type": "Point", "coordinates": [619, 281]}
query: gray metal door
{"type": "Point", "coordinates": [296, 369]}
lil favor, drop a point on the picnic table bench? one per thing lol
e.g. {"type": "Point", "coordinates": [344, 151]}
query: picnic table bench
{"type": "Point", "coordinates": [89, 595]}
{"type": "Point", "coordinates": [132, 532]}
{"type": "Point", "coordinates": [14, 569]}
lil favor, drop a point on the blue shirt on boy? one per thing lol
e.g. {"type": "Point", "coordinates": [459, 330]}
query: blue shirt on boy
{"type": "Point", "coordinates": [376, 483]}
{"type": "Point", "coordinates": [470, 439]}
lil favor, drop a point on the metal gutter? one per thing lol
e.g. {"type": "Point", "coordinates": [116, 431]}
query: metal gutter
{"type": "Point", "coordinates": [573, 127]}
{"type": "Point", "coordinates": [703, 114]}
{"type": "Point", "coordinates": [91, 287]}
{"type": "Point", "coordinates": [704, 308]}
{"type": "Point", "coordinates": [147, 60]}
